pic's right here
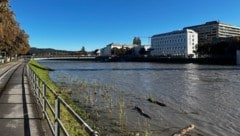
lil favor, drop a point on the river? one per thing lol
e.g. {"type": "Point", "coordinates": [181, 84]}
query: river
{"type": "Point", "coordinates": [204, 95]}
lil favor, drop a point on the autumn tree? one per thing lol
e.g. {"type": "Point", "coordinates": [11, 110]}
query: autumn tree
{"type": "Point", "coordinates": [13, 40]}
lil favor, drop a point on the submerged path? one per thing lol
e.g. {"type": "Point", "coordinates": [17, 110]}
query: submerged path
{"type": "Point", "coordinates": [19, 114]}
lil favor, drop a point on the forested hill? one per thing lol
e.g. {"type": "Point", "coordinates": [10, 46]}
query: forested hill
{"type": "Point", "coordinates": [53, 52]}
{"type": "Point", "coordinates": [13, 39]}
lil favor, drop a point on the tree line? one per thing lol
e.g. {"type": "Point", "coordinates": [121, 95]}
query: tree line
{"type": "Point", "coordinates": [126, 51]}
{"type": "Point", "coordinates": [13, 39]}
{"type": "Point", "coordinates": [223, 49]}
{"type": "Point", "coordinates": [49, 52]}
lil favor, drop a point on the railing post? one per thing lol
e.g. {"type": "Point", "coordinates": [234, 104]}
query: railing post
{"type": "Point", "coordinates": [34, 84]}
{"type": "Point", "coordinates": [32, 80]}
{"type": "Point", "coordinates": [57, 116]}
{"type": "Point", "coordinates": [39, 88]}
{"type": "Point", "coordinates": [29, 75]}
{"type": "Point", "coordinates": [44, 101]}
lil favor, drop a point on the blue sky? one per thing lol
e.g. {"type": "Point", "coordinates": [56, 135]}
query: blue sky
{"type": "Point", "coordinates": [71, 24]}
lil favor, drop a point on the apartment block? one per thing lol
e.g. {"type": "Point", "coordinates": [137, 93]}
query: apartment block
{"type": "Point", "coordinates": [177, 43]}
{"type": "Point", "coordinates": [212, 31]}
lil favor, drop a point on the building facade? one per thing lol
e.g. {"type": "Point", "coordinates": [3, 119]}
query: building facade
{"type": "Point", "coordinates": [137, 49]}
{"type": "Point", "coordinates": [177, 43]}
{"type": "Point", "coordinates": [212, 31]}
{"type": "Point", "coordinates": [107, 51]}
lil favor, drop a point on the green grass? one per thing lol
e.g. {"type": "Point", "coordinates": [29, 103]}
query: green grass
{"type": "Point", "coordinates": [68, 120]}
{"type": "Point", "coordinates": [42, 72]}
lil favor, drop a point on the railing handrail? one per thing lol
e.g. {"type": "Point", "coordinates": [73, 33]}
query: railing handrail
{"type": "Point", "coordinates": [35, 85]}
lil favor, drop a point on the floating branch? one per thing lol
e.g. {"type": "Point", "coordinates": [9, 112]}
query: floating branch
{"type": "Point", "coordinates": [156, 102]}
{"type": "Point", "coordinates": [141, 112]}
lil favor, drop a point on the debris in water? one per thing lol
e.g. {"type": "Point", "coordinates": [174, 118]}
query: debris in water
{"type": "Point", "coordinates": [156, 102]}
{"type": "Point", "coordinates": [185, 130]}
{"type": "Point", "coordinates": [141, 112]}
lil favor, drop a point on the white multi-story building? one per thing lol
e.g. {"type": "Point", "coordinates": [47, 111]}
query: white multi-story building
{"type": "Point", "coordinates": [177, 43]}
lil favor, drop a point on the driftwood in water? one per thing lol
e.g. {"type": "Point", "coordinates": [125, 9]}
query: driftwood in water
{"type": "Point", "coordinates": [141, 112]}
{"type": "Point", "coordinates": [185, 130]}
{"type": "Point", "coordinates": [156, 102]}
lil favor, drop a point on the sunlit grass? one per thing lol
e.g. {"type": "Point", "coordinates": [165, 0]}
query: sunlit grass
{"type": "Point", "coordinates": [89, 94]}
{"type": "Point", "coordinates": [71, 125]}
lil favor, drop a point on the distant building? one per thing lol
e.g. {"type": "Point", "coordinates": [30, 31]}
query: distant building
{"type": "Point", "coordinates": [137, 49]}
{"type": "Point", "coordinates": [211, 31]}
{"type": "Point", "coordinates": [97, 52]}
{"type": "Point", "coordinates": [177, 43]}
{"type": "Point", "coordinates": [106, 51]}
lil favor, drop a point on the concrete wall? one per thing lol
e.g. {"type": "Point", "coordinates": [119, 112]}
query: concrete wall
{"type": "Point", "coordinates": [238, 57]}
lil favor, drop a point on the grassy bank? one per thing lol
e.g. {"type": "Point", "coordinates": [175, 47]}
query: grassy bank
{"type": "Point", "coordinates": [67, 119]}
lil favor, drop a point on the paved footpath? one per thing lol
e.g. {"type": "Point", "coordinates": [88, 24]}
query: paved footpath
{"type": "Point", "coordinates": [19, 115]}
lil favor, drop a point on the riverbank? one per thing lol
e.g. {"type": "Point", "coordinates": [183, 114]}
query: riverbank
{"type": "Point", "coordinates": [206, 61]}
{"type": "Point", "coordinates": [71, 125]}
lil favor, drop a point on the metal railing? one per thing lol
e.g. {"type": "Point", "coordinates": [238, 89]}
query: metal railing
{"type": "Point", "coordinates": [51, 108]}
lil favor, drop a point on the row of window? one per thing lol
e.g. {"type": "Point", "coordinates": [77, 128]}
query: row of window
{"type": "Point", "coordinates": [228, 28]}
{"type": "Point", "coordinates": [168, 41]}
{"type": "Point", "coordinates": [190, 43]}
{"type": "Point", "coordinates": [170, 37]}
{"type": "Point", "coordinates": [166, 45]}
{"type": "Point", "coordinates": [170, 48]}
{"type": "Point", "coordinates": [230, 33]}
{"type": "Point", "coordinates": [168, 52]}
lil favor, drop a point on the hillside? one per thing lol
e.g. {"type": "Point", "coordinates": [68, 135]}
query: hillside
{"type": "Point", "coordinates": [47, 52]}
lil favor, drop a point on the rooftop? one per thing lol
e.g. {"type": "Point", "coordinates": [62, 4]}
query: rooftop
{"type": "Point", "coordinates": [173, 32]}
{"type": "Point", "coordinates": [211, 23]}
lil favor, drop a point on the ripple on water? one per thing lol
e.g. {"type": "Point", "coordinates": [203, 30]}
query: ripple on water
{"type": "Point", "coordinates": [211, 91]}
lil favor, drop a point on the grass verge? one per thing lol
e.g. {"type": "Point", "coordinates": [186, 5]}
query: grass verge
{"type": "Point", "coordinates": [71, 125]}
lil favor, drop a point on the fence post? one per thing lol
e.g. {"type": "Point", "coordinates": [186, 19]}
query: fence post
{"type": "Point", "coordinates": [34, 84]}
{"type": "Point", "coordinates": [32, 80]}
{"type": "Point", "coordinates": [38, 85]}
{"type": "Point", "coordinates": [57, 116]}
{"type": "Point", "coordinates": [44, 101]}
{"type": "Point", "coordinates": [37, 88]}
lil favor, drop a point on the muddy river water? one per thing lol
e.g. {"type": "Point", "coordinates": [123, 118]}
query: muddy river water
{"type": "Point", "coordinates": [204, 95]}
